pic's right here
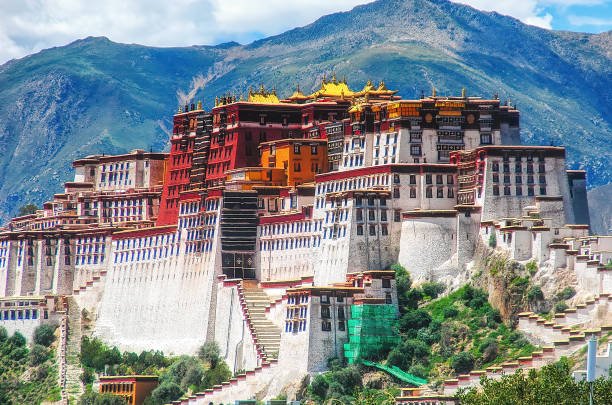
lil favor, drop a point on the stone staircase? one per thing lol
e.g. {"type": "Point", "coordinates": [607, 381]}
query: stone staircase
{"type": "Point", "coordinates": [61, 353]}
{"type": "Point", "coordinates": [266, 334]}
{"type": "Point", "coordinates": [95, 278]}
{"type": "Point", "coordinates": [73, 385]}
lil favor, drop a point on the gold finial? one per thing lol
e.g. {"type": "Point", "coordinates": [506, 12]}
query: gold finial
{"type": "Point", "coordinates": [382, 86]}
{"type": "Point", "coordinates": [250, 91]}
{"type": "Point", "coordinates": [463, 92]}
{"type": "Point", "coordinates": [369, 83]}
{"type": "Point", "coordinates": [298, 88]}
{"type": "Point", "coordinates": [324, 78]}
{"type": "Point", "coordinates": [199, 104]}
{"type": "Point", "coordinates": [433, 91]}
{"type": "Point", "coordinates": [241, 97]}
{"type": "Point", "coordinates": [341, 94]}
{"type": "Point", "coordinates": [180, 110]}
{"type": "Point", "coordinates": [261, 89]}
{"type": "Point", "coordinates": [334, 78]}
{"type": "Point", "coordinates": [344, 79]}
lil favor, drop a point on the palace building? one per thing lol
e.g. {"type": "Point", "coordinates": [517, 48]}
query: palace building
{"type": "Point", "coordinates": [271, 223]}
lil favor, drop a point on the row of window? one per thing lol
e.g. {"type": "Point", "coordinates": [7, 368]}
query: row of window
{"type": "Point", "coordinates": [291, 243]}
{"type": "Point", "coordinates": [519, 179]}
{"type": "Point", "coordinates": [518, 167]}
{"type": "Point", "coordinates": [372, 229]}
{"type": "Point", "coordinates": [518, 190]}
{"type": "Point", "coordinates": [145, 242]}
{"type": "Point", "coordinates": [301, 226]}
{"type": "Point", "coordinates": [14, 315]}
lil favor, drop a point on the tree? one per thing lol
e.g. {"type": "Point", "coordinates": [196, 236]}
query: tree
{"type": "Point", "coordinates": [166, 392]}
{"type": "Point", "coordinates": [38, 354]}
{"type": "Point", "coordinates": [551, 385]}
{"type": "Point", "coordinates": [432, 289]}
{"type": "Point", "coordinates": [408, 353]}
{"type": "Point", "coordinates": [17, 340]}
{"type": "Point", "coordinates": [44, 335]}
{"type": "Point", "coordinates": [463, 362]}
{"type": "Point", "coordinates": [3, 334]}
{"type": "Point", "coordinates": [210, 353]}
{"type": "Point", "coordinates": [94, 398]}
{"type": "Point", "coordinates": [27, 209]}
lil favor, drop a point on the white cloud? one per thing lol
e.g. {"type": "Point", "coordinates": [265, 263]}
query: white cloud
{"type": "Point", "coordinates": [528, 11]}
{"type": "Point", "coordinates": [28, 26]}
{"type": "Point", "coordinates": [581, 21]}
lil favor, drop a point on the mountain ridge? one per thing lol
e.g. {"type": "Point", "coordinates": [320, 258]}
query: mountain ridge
{"type": "Point", "coordinates": [97, 96]}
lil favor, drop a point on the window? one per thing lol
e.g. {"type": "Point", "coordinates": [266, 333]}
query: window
{"type": "Point", "coordinates": [450, 193]}
{"type": "Point", "coordinates": [506, 190]}
{"type": "Point", "coordinates": [326, 326]}
{"type": "Point", "coordinates": [495, 167]}
{"type": "Point", "coordinates": [518, 168]}
{"type": "Point", "coordinates": [495, 190]}
{"type": "Point", "coordinates": [297, 167]}
{"type": "Point", "coordinates": [415, 150]}
{"type": "Point", "coordinates": [383, 202]}
{"type": "Point", "coordinates": [542, 179]}
{"type": "Point", "coordinates": [518, 179]}
{"type": "Point", "coordinates": [412, 192]}
{"type": "Point", "coordinates": [388, 299]}
{"type": "Point", "coordinates": [372, 230]}
{"type": "Point", "coordinates": [428, 179]}
{"type": "Point", "coordinates": [359, 215]}
{"type": "Point", "coordinates": [314, 149]}
{"type": "Point", "coordinates": [530, 191]}
{"type": "Point", "coordinates": [325, 312]}
{"type": "Point", "coordinates": [325, 299]}
{"type": "Point", "coordinates": [439, 179]}
{"type": "Point", "coordinates": [450, 179]}
{"type": "Point", "coordinates": [340, 312]}
{"type": "Point", "coordinates": [440, 192]}
{"type": "Point", "coordinates": [412, 178]}
{"type": "Point", "coordinates": [358, 201]}
{"type": "Point", "coordinates": [386, 283]}
{"type": "Point", "coordinates": [541, 168]}
{"type": "Point", "coordinates": [495, 178]}
{"type": "Point", "coordinates": [506, 168]}
{"type": "Point", "coordinates": [384, 230]}
{"type": "Point", "coordinates": [396, 179]}
{"type": "Point", "coordinates": [341, 325]}
{"type": "Point", "coordinates": [297, 148]}
{"type": "Point", "coordinates": [428, 192]}
{"type": "Point", "coordinates": [542, 190]}
{"type": "Point", "coordinates": [396, 192]}
{"type": "Point", "coordinates": [506, 179]}
{"type": "Point", "coordinates": [371, 215]}
{"type": "Point", "coordinates": [485, 139]}
{"type": "Point", "coordinates": [397, 216]}
{"type": "Point", "coordinates": [262, 119]}
{"type": "Point", "coordinates": [383, 215]}
{"type": "Point", "coordinates": [359, 230]}
{"type": "Point", "coordinates": [519, 190]}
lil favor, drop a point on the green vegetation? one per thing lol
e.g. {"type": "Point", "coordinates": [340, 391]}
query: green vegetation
{"type": "Point", "coordinates": [27, 209]}
{"type": "Point", "coordinates": [532, 267]}
{"type": "Point", "coordinates": [177, 375]}
{"type": "Point", "coordinates": [27, 375]}
{"type": "Point", "coordinates": [551, 385]}
{"type": "Point", "coordinates": [94, 398]}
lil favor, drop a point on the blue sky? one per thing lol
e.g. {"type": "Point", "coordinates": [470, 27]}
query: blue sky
{"type": "Point", "coordinates": [27, 26]}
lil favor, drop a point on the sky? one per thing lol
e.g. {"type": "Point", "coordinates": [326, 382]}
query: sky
{"type": "Point", "coordinates": [27, 26]}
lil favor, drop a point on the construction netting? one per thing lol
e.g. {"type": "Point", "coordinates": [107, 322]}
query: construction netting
{"type": "Point", "coordinates": [372, 332]}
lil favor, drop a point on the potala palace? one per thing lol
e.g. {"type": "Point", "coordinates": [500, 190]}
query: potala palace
{"type": "Point", "coordinates": [269, 218]}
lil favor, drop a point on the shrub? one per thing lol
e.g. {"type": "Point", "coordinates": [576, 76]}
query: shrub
{"type": "Point", "coordinates": [319, 386]}
{"type": "Point", "coordinates": [17, 340]}
{"type": "Point", "coordinates": [216, 375]}
{"type": "Point", "coordinates": [463, 362]}
{"type": "Point", "coordinates": [535, 294]}
{"type": "Point", "coordinates": [531, 267]}
{"type": "Point", "coordinates": [166, 392]}
{"type": "Point", "coordinates": [38, 354]}
{"type": "Point", "coordinates": [489, 349]}
{"type": "Point", "coordinates": [432, 290]}
{"type": "Point", "coordinates": [88, 376]}
{"type": "Point", "coordinates": [418, 370]}
{"type": "Point", "coordinates": [450, 312]}
{"type": "Point", "coordinates": [493, 240]}
{"type": "Point", "coordinates": [44, 334]}
{"type": "Point", "coordinates": [210, 353]}
{"type": "Point", "coordinates": [3, 334]}
{"type": "Point", "coordinates": [566, 293]}
{"type": "Point", "coordinates": [560, 307]}
{"type": "Point", "coordinates": [408, 353]}
{"type": "Point", "coordinates": [413, 321]}
{"type": "Point", "coordinates": [94, 398]}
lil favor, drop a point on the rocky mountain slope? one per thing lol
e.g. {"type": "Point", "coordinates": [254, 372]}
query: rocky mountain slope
{"type": "Point", "coordinates": [96, 96]}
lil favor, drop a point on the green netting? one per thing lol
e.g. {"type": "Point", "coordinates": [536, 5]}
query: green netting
{"type": "Point", "coordinates": [371, 330]}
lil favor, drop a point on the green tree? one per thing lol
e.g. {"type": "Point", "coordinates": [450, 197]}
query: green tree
{"type": "Point", "coordinates": [44, 335]}
{"type": "Point", "coordinates": [94, 398]}
{"type": "Point", "coordinates": [38, 354]}
{"type": "Point", "coordinates": [432, 289]}
{"type": "Point", "coordinates": [166, 392]}
{"type": "Point", "coordinates": [17, 340]}
{"type": "Point", "coordinates": [210, 353]}
{"type": "Point", "coordinates": [462, 362]}
{"type": "Point", "coordinates": [551, 385]}
{"type": "Point", "coordinates": [27, 209]}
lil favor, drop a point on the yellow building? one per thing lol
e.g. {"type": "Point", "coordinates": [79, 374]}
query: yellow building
{"type": "Point", "coordinates": [301, 159]}
{"type": "Point", "coordinates": [134, 388]}
{"type": "Point", "coordinates": [248, 177]}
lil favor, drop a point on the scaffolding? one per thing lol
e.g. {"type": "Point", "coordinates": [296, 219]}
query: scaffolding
{"type": "Point", "coordinates": [372, 332]}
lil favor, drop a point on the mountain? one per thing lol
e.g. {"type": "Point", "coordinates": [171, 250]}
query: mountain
{"type": "Point", "coordinates": [601, 209]}
{"type": "Point", "coordinates": [96, 96]}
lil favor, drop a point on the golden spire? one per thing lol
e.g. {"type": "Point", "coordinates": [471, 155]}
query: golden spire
{"type": "Point", "coordinates": [324, 79]}
{"type": "Point", "coordinates": [334, 78]}
{"type": "Point", "coordinates": [433, 91]}
{"type": "Point", "coordinates": [199, 104]}
{"type": "Point", "coordinates": [463, 92]}
{"type": "Point", "coordinates": [180, 110]}
{"type": "Point", "coordinates": [241, 97]}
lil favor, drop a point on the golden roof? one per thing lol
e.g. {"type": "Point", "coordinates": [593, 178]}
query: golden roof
{"type": "Point", "coordinates": [298, 95]}
{"type": "Point", "coordinates": [333, 88]}
{"type": "Point", "coordinates": [262, 96]}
